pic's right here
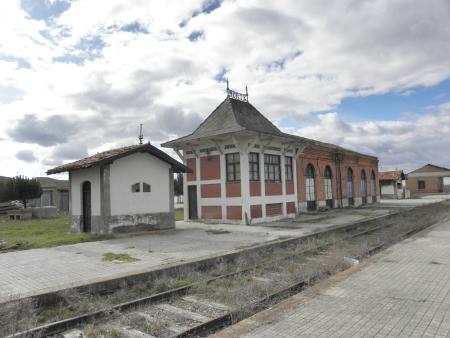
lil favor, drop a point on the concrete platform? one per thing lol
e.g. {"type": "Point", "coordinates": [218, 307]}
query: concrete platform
{"type": "Point", "coordinates": [38, 271]}
{"type": "Point", "coordinates": [403, 292]}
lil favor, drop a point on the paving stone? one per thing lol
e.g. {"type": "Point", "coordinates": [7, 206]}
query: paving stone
{"type": "Point", "coordinates": [401, 295]}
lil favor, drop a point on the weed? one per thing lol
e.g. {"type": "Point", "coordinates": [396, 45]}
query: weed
{"type": "Point", "coordinates": [118, 258]}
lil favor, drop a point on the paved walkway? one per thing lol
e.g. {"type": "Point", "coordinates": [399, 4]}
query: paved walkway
{"type": "Point", "coordinates": [37, 271]}
{"type": "Point", "coordinates": [405, 292]}
{"type": "Point", "coordinates": [32, 272]}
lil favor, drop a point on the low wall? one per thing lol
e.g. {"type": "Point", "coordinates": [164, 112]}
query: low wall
{"type": "Point", "coordinates": [44, 212]}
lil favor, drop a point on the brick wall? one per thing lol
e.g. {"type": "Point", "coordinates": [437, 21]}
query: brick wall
{"type": "Point", "coordinates": [273, 209]}
{"type": "Point", "coordinates": [234, 212]}
{"type": "Point", "coordinates": [233, 189]}
{"type": "Point", "coordinates": [210, 190]}
{"type": "Point", "coordinates": [290, 188]}
{"type": "Point", "coordinates": [210, 167]}
{"type": "Point", "coordinates": [432, 185]}
{"type": "Point", "coordinates": [191, 164]}
{"type": "Point", "coordinates": [290, 208]}
{"type": "Point", "coordinates": [256, 211]}
{"type": "Point", "coordinates": [273, 188]}
{"type": "Point", "coordinates": [255, 188]}
{"type": "Point", "coordinates": [320, 159]}
{"type": "Point", "coordinates": [211, 212]}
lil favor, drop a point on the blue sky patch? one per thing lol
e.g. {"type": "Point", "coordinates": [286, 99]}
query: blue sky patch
{"type": "Point", "coordinates": [44, 9]}
{"type": "Point", "coordinates": [220, 77]}
{"type": "Point", "coordinates": [393, 106]}
{"type": "Point", "coordinates": [195, 36]}
{"type": "Point", "coordinates": [21, 62]}
{"type": "Point", "coordinates": [134, 27]}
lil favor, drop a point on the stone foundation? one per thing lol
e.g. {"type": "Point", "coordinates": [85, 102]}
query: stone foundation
{"type": "Point", "coordinates": [125, 223]}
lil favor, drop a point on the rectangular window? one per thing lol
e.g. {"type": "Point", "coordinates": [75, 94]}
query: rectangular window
{"type": "Point", "coordinates": [233, 167]}
{"type": "Point", "coordinates": [146, 187]}
{"type": "Point", "coordinates": [421, 184]}
{"type": "Point", "coordinates": [135, 187]}
{"type": "Point", "coordinates": [253, 164]}
{"type": "Point", "coordinates": [288, 166]}
{"type": "Point", "coordinates": [272, 170]}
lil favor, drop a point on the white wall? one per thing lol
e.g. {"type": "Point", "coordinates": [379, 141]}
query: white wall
{"type": "Point", "coordinates": [78, 177]}
{"type": "Point", "coordinates": [140, 167]}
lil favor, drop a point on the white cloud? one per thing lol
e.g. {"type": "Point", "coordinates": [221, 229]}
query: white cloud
{"type": "Point", "coordinates": [296, 56]}
{"type": "Point", "coordinates": [404, 144]}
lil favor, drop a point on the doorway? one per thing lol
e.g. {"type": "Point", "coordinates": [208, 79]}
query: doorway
{"type": "Point", "coordinates": [86, 188]}
{"type": "Point", "coordinates": [192, 201]}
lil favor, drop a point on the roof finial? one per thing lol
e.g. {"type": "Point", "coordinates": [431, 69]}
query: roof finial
{"type": "Point", "coordinates": [141, 137]}
{"type": "Point", "coordinates": [235, 95]}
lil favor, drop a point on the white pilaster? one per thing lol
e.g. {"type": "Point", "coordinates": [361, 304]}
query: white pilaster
{"type": "Point", "coordinates": [197, 179]}
{"type": "Point", "coordinates": [283, 183]}
{"type": "Point", "coordinates": [294, 173]}
{"type": "Point", "coordinates": [245, 182]}
{"type": "Point", "coordinates": [223, 192]}
{"type": "Point", "coordinates": [263, 183]}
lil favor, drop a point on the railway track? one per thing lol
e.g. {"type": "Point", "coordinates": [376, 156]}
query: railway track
{"type": "Point", "coordinates": [200, 308]}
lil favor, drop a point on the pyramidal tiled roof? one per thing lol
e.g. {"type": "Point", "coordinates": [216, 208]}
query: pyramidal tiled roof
{"type": "Point", "coordinates": [230, 116]}
{"type": "Point", "coordinates": [234, 115]}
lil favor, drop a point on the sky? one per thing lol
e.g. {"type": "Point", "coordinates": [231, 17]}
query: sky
{"type": "Point", "coordinates": [79, 76]}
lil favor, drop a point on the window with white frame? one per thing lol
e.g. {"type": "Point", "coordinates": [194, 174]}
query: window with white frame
{"type": "Point", "coordinates": [310, 184]}
{"type": "Point", "coordinates": [253, 164]}
{"type": "Point", "coordinates": [350, 183]}
{"type": "Point", "coordinates": [233, 167]}
{"type": "Point", "coordinates": [288, 166]}
{"type": "Point", "coordinates": [327, 183]}
{"type": "Point", "coordinates": [272, 172]}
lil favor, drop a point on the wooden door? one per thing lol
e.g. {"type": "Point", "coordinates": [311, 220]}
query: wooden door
{"type": "Point", "coordinates": [192, 202]}
{"type": "Point", "coordinates": [87, 206]}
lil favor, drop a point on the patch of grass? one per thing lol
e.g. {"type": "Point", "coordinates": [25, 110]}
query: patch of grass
{"type": "Point", "coordinates": [217, 231]}
{"type": "Point", "coordinates": [41, 233]}
{"type": "Point", "coordinates": [183, 282]}
{"type": "Point", "coordinates": [118, 258]}
{"type": "Point", "coordinates": [179, 214]}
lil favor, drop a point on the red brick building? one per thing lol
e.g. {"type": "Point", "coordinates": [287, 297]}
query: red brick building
{"type": "Point", "coordinates": [244, 169]}
{"type": "Point", "coordinates": [428, 179]}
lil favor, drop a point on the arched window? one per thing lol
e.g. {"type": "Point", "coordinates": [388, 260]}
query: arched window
{"type": "Point", "coordinates": [328, 187]}
{"type": "Point", "coordinates": [373, 187]}
{"type": "Point", "coordinates": [363, 190]}
{"type": "Point", "coordinates": [350, 193]}
{"type": "Point", "coordinates": [310, 188]}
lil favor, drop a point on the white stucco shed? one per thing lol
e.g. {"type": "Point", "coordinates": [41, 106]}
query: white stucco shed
{"type": "Point", "coordinates": [124, 189]}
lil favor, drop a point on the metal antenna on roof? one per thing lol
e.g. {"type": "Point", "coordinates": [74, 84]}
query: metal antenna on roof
{"type": "Point", "coordinates": [228, 85]}
{"type": "Point", "coordinates": [246, 92]}
{"type": "Point", "coordinates": [141, 137]}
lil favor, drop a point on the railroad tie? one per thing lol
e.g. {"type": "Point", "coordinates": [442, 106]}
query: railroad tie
{"type": "Point", "coordinates": [183, 313]}
{"type": "Point", "coordinates": [206, 302]}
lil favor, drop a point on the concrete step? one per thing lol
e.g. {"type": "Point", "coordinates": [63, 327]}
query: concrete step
{"type": "Point", "coordinates": [183, 313]}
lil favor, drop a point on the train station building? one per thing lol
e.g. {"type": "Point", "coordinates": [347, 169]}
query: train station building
{"type": "Point", "coordinates": [246, 170]}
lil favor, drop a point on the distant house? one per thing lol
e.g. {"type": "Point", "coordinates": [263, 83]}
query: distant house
{"type": "Point", "coordinates": [246, 170]}
{"type": "Point", "coordinates": [124, 189]}
{"type": "Point", "coordinates": [429, 179]}
{"type": "Point", "coordinates": [54, 193]}
{"type": "Point", "coordinates": [391, 184]}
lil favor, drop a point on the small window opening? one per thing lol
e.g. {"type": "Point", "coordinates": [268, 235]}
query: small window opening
{"type": "Point", "coordinates": [146, 187]}
{"type": "Point", "coordinates": [135, 187]}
